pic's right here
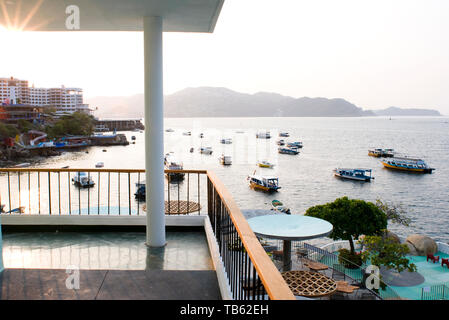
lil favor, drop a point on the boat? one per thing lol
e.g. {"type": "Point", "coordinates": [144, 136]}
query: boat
{"type": "Point", "coordinates": [140, 191]}
{"type": "Point", "coordinates": [288, 150]}
{"type": "Point", "coordinates": [280, 142]}
{"type": "Point", "coordinates": [201, 135]}
{"type": "Point", "coordinates": [83, 180]}
{"type": "Point", "coordinates": [225, 160]}
{"type": "Point", "coordinates": [296, 144]}
{"type": "Point", "coordinates": [381, 153]}
{"type": "Point", "coordinates": [169, 130]}
{"type": "Point", "coordinates": [205, 150]}
{"type": "Point", "coordinates": [265, 164]}
{"type": "Point", "coordinates": [280, 207]}
{"type": "Point", "coordinates": [133, 138]}
{"type": "Point", "coordinates": [263, 135]}
{"type": "Point", "coordinates": [354, 174]}
{"type": "Point", "coordinates": [22, 165]}
{"type": "Point", "coordinates": [407, 164]}
{"type": "Point", "coordinates": [187, 133]}
{"type": "Point", "coordinates": [284, 134]}
{"type": "Point", "coordinates": [226, 141]}
{"type": "Point", "coordinates": [99, 165]}
{"type": "Point", "coordinates": [192, 149]}
{"type": "Point", "coordinates": [265, 183]}
{"type": "Point", "coordinates": [171, 163]}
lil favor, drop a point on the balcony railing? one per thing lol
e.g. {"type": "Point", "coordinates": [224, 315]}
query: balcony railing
{"type": "Point", "coordinates": [250, 273]}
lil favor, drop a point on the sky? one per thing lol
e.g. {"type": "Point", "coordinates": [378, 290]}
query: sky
{"type": "Point", "coordinates": [373, 53]}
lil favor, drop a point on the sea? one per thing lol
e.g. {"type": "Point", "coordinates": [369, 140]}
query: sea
{"type": "Point", "coordinates": [306, 179]}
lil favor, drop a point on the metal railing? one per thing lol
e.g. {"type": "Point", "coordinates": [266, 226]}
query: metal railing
{"type": "Point", "coordinates": [250, 272]}
{"type": "Point", "coordinates": [37, 191]}
{"type": "Point", "coordinates": [436, 292]}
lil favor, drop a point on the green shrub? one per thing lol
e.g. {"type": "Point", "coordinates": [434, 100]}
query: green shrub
{"type": "Point", "coordinates": [348, 259]}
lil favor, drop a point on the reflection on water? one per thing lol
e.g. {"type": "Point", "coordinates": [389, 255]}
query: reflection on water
{"type": "Point", "coordinates": [105, 251]}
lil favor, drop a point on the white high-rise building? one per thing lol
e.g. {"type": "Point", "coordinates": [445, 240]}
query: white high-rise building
{"type": "Point", "coordinates": [64, 100]}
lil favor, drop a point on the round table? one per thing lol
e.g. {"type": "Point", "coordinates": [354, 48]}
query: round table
{"type": "Point", "coordinates": [289, 228]}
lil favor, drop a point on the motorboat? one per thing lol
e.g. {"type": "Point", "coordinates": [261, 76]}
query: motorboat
{"type": "Point", "coordinates": [288, 150]}
{"type": "Point", "coordinates": [140, 191]}
{"type": "Point", "coordinates": [381, 153]}
{"type": "Point", "coordinates": [133, 138]}
{"type": "Point", "coordinates": [225, 160]}
{"type": "Point", "coordinates": [407, 164]}
{"type": "Point", "coordinates": [187, 133]}
{"type": "Point", "coordinates": [83, 180]}
{"type": "Point", "coordinates": [22, 165]}
{"type": "Point", "coordinates": [171, 163]}
{"type": "Point", "coordinates": [99, 165]}
{"type": "Point", "coordinates": [206, 150]}
{"type": "Point", "coordinates": [284, 134]}
{"type": "Point", "coordinates": [263, 135]}
{"type": "Point", "coordinates": [296, 144]}
{"type": "Point", "coordinates": [201, 135]}
{"type": "Point", "coordinates": [226, 141]}
{"type": "Point", "coordinates": [169, 130]}
{"type": "Point", "coordinates": [264, 183]}
{"type": "Point", "coordinates": [280, 207]}
{"type": "Point", "coordinates": [280, 142]}
{"type": "Point", "coordinates": [354, 174]}
{"type": "Point", "coordinates": [265, 164]}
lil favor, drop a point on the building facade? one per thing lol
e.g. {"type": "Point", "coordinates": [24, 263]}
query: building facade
{"type": "Point", "coordinates": [64, 100]}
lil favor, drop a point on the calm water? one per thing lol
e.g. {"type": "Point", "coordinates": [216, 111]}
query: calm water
{"type": "Point", "coordinates": [307, 179]}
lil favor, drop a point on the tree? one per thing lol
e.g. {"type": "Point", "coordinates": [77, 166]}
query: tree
{"type": "Point", "coordinates": [350, 218]}
{"type": "Point", "coordinates": [395, 213]}
{"type": "Point", "coordinates": [385, 251]}
{"type": "Point", "coordinates": [77, 123]}
{"type": "Point", "coordinates": [8, 130]}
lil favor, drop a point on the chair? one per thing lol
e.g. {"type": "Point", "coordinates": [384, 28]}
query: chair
{"type": "Point", "coordinates": [445, 262]}
{"type": "Point", "coordinates": [433, 258]}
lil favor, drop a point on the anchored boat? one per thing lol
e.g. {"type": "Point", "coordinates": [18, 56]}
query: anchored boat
{"type": "Point", "coordinates": [226, 141]}
{"type": "Point", "coordinates": [263, 135]}
{"type": "Point", "coordinates": [280, 142]}
{"type": "Point", "coordinates": [171, 163]}
{"type": "Point", "coordinates": [354, 174]}
{"type": "Point", "coordinates": [296, 144]}
{"type": "Point", "coordinates": [265, 164]}
{"type": "Point", "coordinates": [284, 134]}
{"type": "Point", "coordinates": [83, 180]}
{"type": "Point", "coordinates": [280, 207]}
{"type": "Point", "coordinates": [265, 183]}
{"type": "Point", "coordinates": [206, 150]}
{"type": "Point", "coordinates": [381, 153]}
{"type": "Point", "coordinates": [225, 160]}
{"type": "Point", "coordinates": [288, 150]}
{"type": "Point", "coordinates": [407, 164]}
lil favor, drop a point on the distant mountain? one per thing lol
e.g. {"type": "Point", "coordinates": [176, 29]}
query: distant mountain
{"type": "Point", "coordinates": [395, 111]}
{"type": "Point", "coordinates": [222, 102]}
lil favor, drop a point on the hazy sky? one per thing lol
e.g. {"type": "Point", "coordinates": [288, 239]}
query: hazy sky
{"type": "Point", "coordinates": [375, 53]}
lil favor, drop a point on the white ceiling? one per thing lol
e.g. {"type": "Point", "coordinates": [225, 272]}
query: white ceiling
{"type": "Point", "coordinates": [111, 15]}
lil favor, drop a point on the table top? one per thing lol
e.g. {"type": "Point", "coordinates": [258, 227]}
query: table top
{"type": "Point", "coordinates": [289, 227]}
{"type": "Point", "coordinates": [309, 284]}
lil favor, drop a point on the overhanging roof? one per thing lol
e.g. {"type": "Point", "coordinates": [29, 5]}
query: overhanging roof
{"type": "Point", "coordinates": [111, 15]}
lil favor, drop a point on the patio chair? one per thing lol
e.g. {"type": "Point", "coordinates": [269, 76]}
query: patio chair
{"type": "Point", "coordinates": [433, 258]}
{"type": "Point", "coordinates": [338, 272]}
{"type": "Point", "coordinates": [445, 262]}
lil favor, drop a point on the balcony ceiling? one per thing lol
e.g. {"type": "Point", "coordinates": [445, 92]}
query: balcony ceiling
{"type": "Point", "coordinates": [110, 15]}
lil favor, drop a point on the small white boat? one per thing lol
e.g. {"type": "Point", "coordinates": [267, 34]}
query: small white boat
{"type": "Point", "coordinates": [225, 160]}
{"type": "Point", "coordinates": [226, 141]}
{"type": "Point", "coordinates": [206, 150]}
{"type": "Point", "coordinates": [171, 163]}
{"type": "Point", "coordinates": [265, 164]}
{"type": "Point", "coordinates": [83, 180]}
{"type": "Point", "coordinates": [99, 165]}
{"type": "Point", "coordinates": [280, 207]}
{"type": "Point", "coordinates": [284, 134]}
{"type": "Point", "coordinates": [22, 165]}
{"type": "Point", "coordinates": [263, 135]}
{"type": "Point", "coordinates": [169, 130]}
{"type": "Point", "coordinates": [201, 135]}
{"type": "Point", "coordinates": [280, 142]}
{"type": "Point", "coordinates": [187, 133]}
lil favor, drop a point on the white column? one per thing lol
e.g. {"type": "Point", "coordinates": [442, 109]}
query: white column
{"type": "Point", "coordinates": [154, 132]}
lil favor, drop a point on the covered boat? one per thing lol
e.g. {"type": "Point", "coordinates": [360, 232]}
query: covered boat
{"type": "Point", "coordinates": [83, 180]}
{"type": "Point", "coordinates": [354, 174]}
{"type": "Point", "coordinates": [288, 150]}
{"type": "Point", "coordinates": [296, 144]}
{"type": "Point", "coordinates": [407, 164]}
{"type": "Point", "coordinates": [265, 183]}
{"type": "Point", "coordinates": [381, 153]}
{"type": "Point", "coordinates": [171, 163]}
{"type": "Point", "coordinates": [284, 134]}
{"type": "Point", "coordinates": [263, 135]}
{"type": "Point", "coordinates": [225, 160]}
{"type": "Point", "coordinates": [206, 150]}
{"type": "Point", "coordinates": [265, 164]}
{"type": "Point", "coordinates": [226, 141]}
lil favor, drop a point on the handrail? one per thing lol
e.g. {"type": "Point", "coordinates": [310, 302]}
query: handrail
{"type": "Point", "coordinates": [274, 283]}
{"type": "Point", "coordinates": [29, 169]}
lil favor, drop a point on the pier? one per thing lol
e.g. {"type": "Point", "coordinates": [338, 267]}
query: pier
{"type": "Point", "coordinates": [118, 124]}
